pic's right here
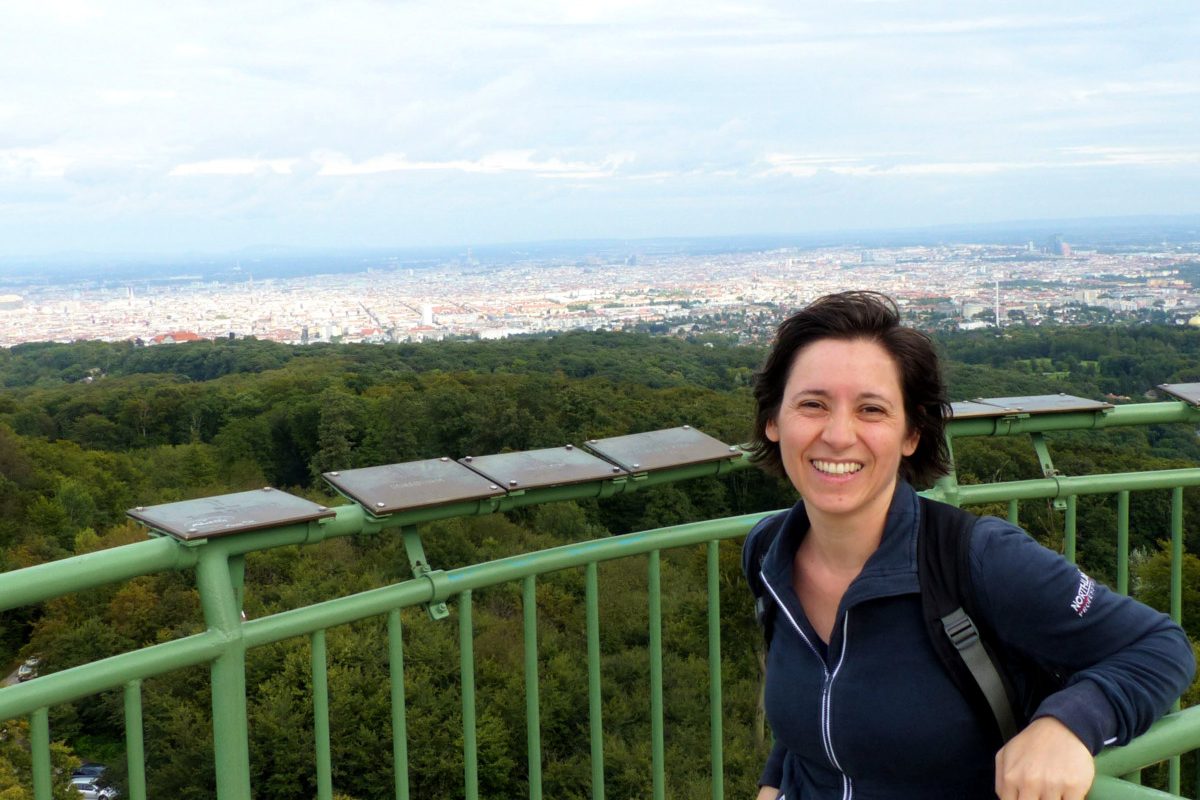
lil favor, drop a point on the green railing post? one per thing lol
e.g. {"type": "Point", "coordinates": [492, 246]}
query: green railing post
{"type": "Point", "coordinates": [1069, 533]}
{"type": "Point", "coordinates": [1173, 766]}
{"type": "Point", "coordinates": [135, 750]}
{"type": "Point", "coordinates": [657, 766]}
{"type": "Point", "coordinates": [714, 671]}
{"type": "Point", "coordinates": [532, 705]}
{"type": "Point", "coordinates": [595, 718]}
{"type": "Point", "coordinates": [1014, 511]}
{"type": "Point", "coordinates": [39, 745]}
{"type": "Point", "coordinates": [320, 690]}
{"type": "Point", "coordinates": [1123, 541]}
{"type": "Point", "coordinates": [466, 661]}
{"type": "Point", "coordinates": [231, 746]}
{"type": "Point", "coordinates": [399, 714]}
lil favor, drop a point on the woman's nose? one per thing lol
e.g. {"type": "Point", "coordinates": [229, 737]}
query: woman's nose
{"type": "Point", "coordinates": [839, 430]}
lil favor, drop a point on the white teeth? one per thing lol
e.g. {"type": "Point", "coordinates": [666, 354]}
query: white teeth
{"type": "Point", "coordinates": [837, 467]}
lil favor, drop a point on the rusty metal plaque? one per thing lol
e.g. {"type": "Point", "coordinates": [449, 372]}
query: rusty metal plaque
{"type": "Point", "coordinates": [1188, 392]}
{"type": "Point", "coordinates": [673, 447]}
{"type": "Point", "coordinates": [229, 513]}
{"type": "Point", "coordinates": [975, 409]}
{"type": "Point", "coordinates": [1047, 403]}
{"type": "Point", "coordinates": [414, 484]}
{"type": "Point", "coordinates": [538, 469]}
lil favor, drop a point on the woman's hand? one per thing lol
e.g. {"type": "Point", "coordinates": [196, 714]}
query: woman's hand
{"type": "Point", "coordinates": [1044, 762]}
{"type": "Point", "coordinates": [767, 793]}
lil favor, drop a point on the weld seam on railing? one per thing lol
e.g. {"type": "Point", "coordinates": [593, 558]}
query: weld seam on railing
{"type": "Point", "coordinates": [533, 721]}
{"type": "Point", "coordinates": [399, 713]}
{"type": "Point", "coordinates": [135, 749]}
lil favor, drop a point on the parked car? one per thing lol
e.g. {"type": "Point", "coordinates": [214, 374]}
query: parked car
{"type": "Point", "coordinates": [29, 669]}
{"type": "Point", "coordinates": [88, 769]}
{"type": "Point", "coordinates": [88, 789]}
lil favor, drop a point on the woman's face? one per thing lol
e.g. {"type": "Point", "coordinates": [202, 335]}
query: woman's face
{"type": "Point", "coordinates": [842, 430]}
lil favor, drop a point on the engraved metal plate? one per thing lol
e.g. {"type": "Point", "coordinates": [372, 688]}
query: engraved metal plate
{"type": "Point", "coordinates": [1188, 392]}
{"type": "Point", "coordinates": [414, 484]}
{"type": "Point", "coordinates": [974, 409]}
{"type": "Point", "coordinates": [229, 513]}
{"type": "Point", "coordinates": [673, 447]}
{"type": "Point", "coordinates": [1048, 403]}
{"type": "Point", "coordinates": [537, 469]}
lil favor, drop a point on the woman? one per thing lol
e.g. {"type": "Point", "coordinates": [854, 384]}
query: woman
{"type": "Point", "coordinates": [851, 408]}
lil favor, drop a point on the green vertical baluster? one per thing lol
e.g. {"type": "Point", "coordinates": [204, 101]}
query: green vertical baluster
{"type": "Point", "coordinates": [134, 744]}
{"type": "Point", "coordinates": [231, 745]}
{"type": "Point", "coordinates": [595, 719]}
{"type": "Point", "coordinates": [39, 735]}
{"type": "Point", "coordinates": [399, 718]}
{"type": "Point", "coordinates": [532, 706]}
{"type": "Point", "coordinates": [1123, 541]}
{"type": "Point", "coordinates": [1069, 536]}
{"type": "Point", "coordinates": [1176, 604]}
{"type": "Point", "coordinates": [320, 684]}
{"type": "Point", "coordinates": [466, 665]}
{"type": "Point", "coordinates": [1013, 511]}
{"type": "Point", "coordinates": [656, 680]}
{"type": "Point", "coordinates": [714, 672]}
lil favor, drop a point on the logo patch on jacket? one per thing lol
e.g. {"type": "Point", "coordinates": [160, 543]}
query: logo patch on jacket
{"type": "Point", "coordinates": [1083, 595]}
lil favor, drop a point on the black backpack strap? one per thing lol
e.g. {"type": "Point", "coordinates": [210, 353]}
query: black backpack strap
{"type": "Point", "coordinates": [943, 563]}
{"type": "Point", "coordinates": [754, 550]}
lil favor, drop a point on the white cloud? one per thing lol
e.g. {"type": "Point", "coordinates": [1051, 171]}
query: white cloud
{"type": "Point", "coordinates": [33, 162]}
{"type": "Point", "coordinates": [518, 161]}
{"type": "Point", "coordinates": [235, 166]}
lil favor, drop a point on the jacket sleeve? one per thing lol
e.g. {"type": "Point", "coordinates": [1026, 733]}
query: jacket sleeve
{"type": "Point", "coordinates": [772, 774]}
{"type": "Point", "coordinates": [1127, 662]}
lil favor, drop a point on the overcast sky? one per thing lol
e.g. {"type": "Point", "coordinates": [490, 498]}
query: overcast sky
{"type": "Point", "coordinates": [207, 126]}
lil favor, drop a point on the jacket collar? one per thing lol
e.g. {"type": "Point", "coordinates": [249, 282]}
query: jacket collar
{"type": "Point", "coordinates": [891, 569]}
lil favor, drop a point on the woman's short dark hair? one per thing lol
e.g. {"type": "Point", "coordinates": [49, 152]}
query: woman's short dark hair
{"type": "Point", "coordinates": [860, 315]}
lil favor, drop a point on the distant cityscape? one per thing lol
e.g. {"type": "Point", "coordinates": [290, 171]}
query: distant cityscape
{"type": "Point", "coordinates": [742, 293]}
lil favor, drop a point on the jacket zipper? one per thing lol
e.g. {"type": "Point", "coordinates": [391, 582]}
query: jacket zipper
{"type": "Point", "coordinates": [826, 687]}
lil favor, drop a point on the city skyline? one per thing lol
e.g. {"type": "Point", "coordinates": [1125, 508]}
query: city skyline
{"type": "Point", "coordinates": [201, 129]}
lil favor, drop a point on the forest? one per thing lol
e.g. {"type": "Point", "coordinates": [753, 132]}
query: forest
{"type": "Point", "coordinates": [91, 429]}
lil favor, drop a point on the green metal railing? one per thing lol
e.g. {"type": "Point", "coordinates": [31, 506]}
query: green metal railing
{"type": "Point", "coordinates": [219, 568]}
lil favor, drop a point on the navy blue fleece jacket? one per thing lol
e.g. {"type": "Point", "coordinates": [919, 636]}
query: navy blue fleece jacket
{"type": "Point", "coordinates": [874, 714]}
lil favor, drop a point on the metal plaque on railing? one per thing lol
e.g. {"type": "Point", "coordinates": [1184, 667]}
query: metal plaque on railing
{"type": "Point", "coordinates": [539, 469]}
{"type": "Point", "coordinates": [1030, 404]}
{"type": "Point", "coordinates": [414, 484]}
{"type": "Point", "coordinates": [229, 513]}
{"type": "Point", "coordinates": [1188, 392]}
{"type": "Point", "coordinates": [673, 447]}
{"type": "Point", "coordinates": [972, 409]}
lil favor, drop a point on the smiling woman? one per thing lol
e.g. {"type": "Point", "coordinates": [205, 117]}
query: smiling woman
{"type": "Point", "coordinates": [851, 407]}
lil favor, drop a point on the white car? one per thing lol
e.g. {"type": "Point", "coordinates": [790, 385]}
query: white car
{"type": "Point", "coordinates": [88, 790]}
{"type": "Point", "coordinates": [29, 669]}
